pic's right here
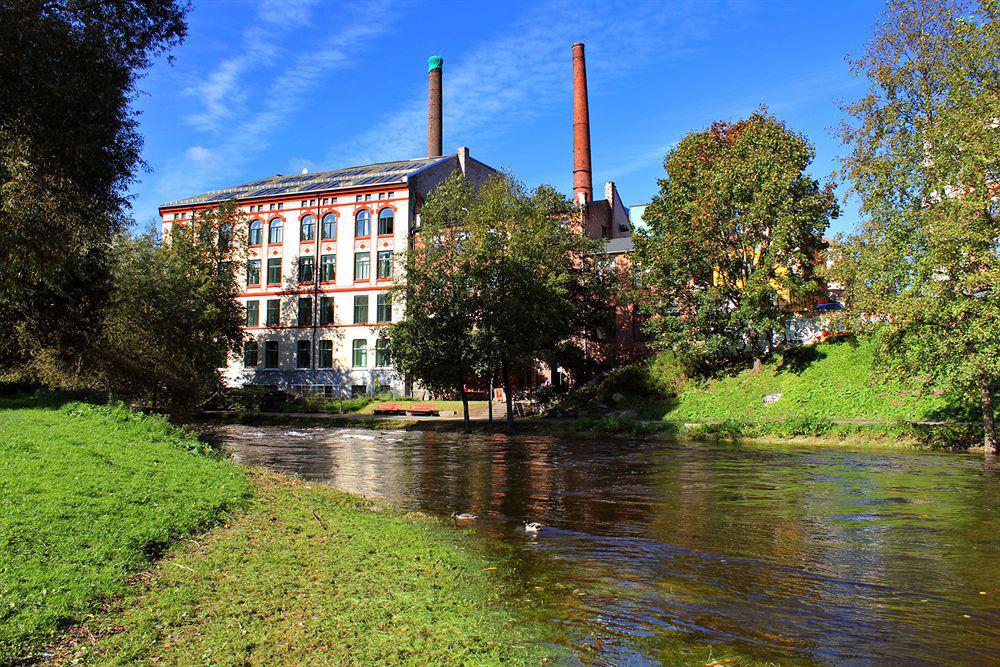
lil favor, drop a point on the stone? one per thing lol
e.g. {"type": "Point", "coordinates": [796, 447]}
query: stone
{"type": "Point", "coordinates": [630, 414]}
{"type": "Point", "coordinates": [617, 398]}
{"type": "Point", "coordinates": [772, 398]}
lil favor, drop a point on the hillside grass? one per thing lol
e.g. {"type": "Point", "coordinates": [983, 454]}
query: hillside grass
{"type": "Point", "coordinates": [88, 495]}
{"type": "Point", "coordinates": [832, 381]}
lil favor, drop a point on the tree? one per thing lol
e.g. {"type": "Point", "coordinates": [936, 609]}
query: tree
{"type": "Point", "coordinates": [925, 164]}
{"type": "Point", "coordinates": [69, 148]}
{"type": "Point", "coordinates": [731, 239]}
{"type": "Point", "coordinates": [173, 315]}
{"type": "Point", "coordinates": [495, 280]}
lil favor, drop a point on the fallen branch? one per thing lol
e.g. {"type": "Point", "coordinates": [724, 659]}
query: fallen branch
{"type": "Point", "coordinates": [316, 516]}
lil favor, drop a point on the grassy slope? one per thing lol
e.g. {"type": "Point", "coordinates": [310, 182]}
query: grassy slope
{"type": "Point", "coordinates": [313, 576]}
{"type": "Point", "coordinates": [87, 495]}
{"type": "Point", "coordinates": [830, 381]}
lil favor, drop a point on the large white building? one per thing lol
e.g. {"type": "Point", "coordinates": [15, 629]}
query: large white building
{"type": "Point", "coordinates": [321, 258]}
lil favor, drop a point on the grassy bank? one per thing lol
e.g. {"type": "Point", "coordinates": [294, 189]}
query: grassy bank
{"type": "Point", "coordinates": [88, 495]}
{"type": "Point", "coordinates": [102, 520]}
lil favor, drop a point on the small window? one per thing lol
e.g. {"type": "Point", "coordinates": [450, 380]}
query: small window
{"type": "Point", "coordinates": [255, 232]}
{"type": "Point", "coordinates": [306, 266]}
{"type": "Point", "coordinates": [271, 354]}
{"type": "Point", "coordinates": [384, 266]}
{"type": "Point", "coordinates": [226, 236]}
{"type": "Point", "coordinates": [307, 228]}
{"type": "Point", "coordinates": [270, 207]}
{"type": "Point", "coordinates": [368, 197]}
{"type": "Point", "coordinates": [253, 314]}
{"type": "Point", "coordinates": [303, 204]}
{"type": "Point", "coordinates": [326, 310]}
{"type": "Point", "coordinates": [274, 271]}
{"type": "Point", "coordinates": [363, 223]}
{"type": "Point", "coordinates": [329, 230]}
{"type": "Point", "coordinates": [381, 353]}
{"type": "Point", "coordinates": [383, 308]}
{"type": "Point", "coordinates": [305, 314]}
{"type": "Point", "coordinates": [362, 265]}
{"type": "Point", "coordinates": [275, 231]}
{"type": "Point", "coordinates": [386, 218]}
{"type": "Point", "coordinates": [381, 195]}
{"type": "Point", "coordinates": [280, 206]}
{"type": "Point", "coordinates": [253, 272]}
{"type": "Point", "coordinates": [251, 353]}
{"type": "Point", "coordinates": [325, 201]}
{"type": "Point", "coordinates": [359, 353]}
{"type": "Point", "coordinates": [303, 354]}
{"type": "Point", "coordinates": [273, 312]}
{"type": "Point", "coordinates": [328, 268]}
{"type": "Point", "coordinates": [325, 354]}
{"type": "Point", "coordinates": [361, 309]}
{"type": "Point", "coordinates": [358, 198]}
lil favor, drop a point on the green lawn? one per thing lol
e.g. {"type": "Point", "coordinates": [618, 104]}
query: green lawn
{"type": "Point", "coordinates": [89, 495]}
{"type": "Point", "coordinates": [103, 514]}
{"type": "Point", "coordinates": [828, 381]}
{"type": "Point", "coordinates": [310, 575]}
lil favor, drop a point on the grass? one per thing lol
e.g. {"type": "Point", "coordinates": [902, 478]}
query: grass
{"type": "Point", "coordinates": [829, 381]}
{"type": "Point", "coordinates": [89, 494]}
{"type": "Point", "coordinates": [104, 558]}
{"type": "Point", "coordinates": [313, 576]}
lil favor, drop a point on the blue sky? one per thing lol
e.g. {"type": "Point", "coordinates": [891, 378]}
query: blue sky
{"type": "Point", "coordinates": [274, 86]}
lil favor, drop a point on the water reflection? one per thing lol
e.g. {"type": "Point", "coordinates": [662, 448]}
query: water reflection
{"type": "Point", "coordinates": [794, 554]}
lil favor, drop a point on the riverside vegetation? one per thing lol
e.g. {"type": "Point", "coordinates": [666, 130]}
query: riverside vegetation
{"type": "Point", "coordinates": [91, 495]}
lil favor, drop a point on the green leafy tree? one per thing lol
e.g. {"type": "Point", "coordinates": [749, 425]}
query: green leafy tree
{"type": "Point", "coordinates": [731, 239]}
{"type": "Point", "coordinates": [496, 280]}
{"type": "Point", "coordinates": [925, 163]}
{"type": "Point", "coordinates": [174, 314]}
{"type": "Point", "coordinates": [69, 148]}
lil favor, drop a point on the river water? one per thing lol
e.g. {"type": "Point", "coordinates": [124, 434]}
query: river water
{"type": "Point", "coordinates": [652, 552]}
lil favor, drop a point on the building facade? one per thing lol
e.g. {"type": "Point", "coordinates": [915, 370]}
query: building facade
{"type": "Point", "coordinates": [323, 252]}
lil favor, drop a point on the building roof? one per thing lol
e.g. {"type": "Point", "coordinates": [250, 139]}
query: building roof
{"type": "Point", "coordinates": [619, 245]}
{"type": "Point", "coordinates": [383, 173]}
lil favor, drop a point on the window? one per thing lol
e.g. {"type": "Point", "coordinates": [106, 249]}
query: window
{"type": "Point", "coordinates": [270, 207]}
{"type": "Point", "coordinates": [274, 231]}
{"type": "Point", "coordinates": [255, 232]}
{"type": "Point", "coordinates": [306, 265]}
{"type": "Point", "coordinates": [307, 228]}
{"type": "Point", "coordinates": [383, 308]}
{"type": "Point", "coordinates": [326, 310]}
{"type": "Point", "coordinates": [360, 308]}
{"type": "Point", "coordinates": [251, 353]}
{"type": "Point", "coordinates": [305, 317]}
{"type": "Point", "coordinates": [329, 230]}
{"type": "Point", "coordinates": [253, 272]}
{"type": "Point", "coordinates": [274, 271]}
{"type": "Point", "coordinates": [303, 354]}
{"type": "Point", "coordinates": [226, 236]}
{"type": "Point", "coordinates": [273, 312]}
{"type": "Point", "coordinates": [363, 223]}
{"type": "Point", "coordinates": [362, 265]}
{"type": "Point", "coordinates": [303, 204]}
{"type": "Point", "coordinates": [368, 197]}
{"type": "Point", "coordinates": [271, 354]}
{"type": "Point", "coordinates": [386, 218]}
{"type": "Point", "coordinates": [280, 205]}
{"type": "Point", "coordinates": [358, 198]}
{"type": "Point", "coordinates": [325, 354]}
{"type": "Point", "coordinates": [359, 353]}
{"type": "Point", "coordinates": [384, 266]}
{"type": "Point", "coordinates": [253, 313]}
{"type": "Point", "coordinates": [381, 352]}
{"type": "Point", "coordinates": [381, 195]}
{"type": "Point", "coordinates": [328, 268]}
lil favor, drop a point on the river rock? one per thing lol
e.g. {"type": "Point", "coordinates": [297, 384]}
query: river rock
{"type": "Point", "coordinates": [772, 398]}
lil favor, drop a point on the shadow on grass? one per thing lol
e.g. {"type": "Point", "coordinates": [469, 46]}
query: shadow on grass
{"type": "Point", "coordinates": [23, 395]}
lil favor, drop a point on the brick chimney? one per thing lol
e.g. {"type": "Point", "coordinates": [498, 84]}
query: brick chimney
{"type": "Point", "coordinates": [583, 188]}
{"type": "Point", "coordinates": [434, 106]}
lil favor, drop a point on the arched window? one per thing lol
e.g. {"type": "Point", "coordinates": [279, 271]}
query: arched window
{"type": "Point", "coordinates": [256, 228]}
{"type": "Point", "coordinates": [385, 220]}
{"type": "Point", "coordinates": [307, 231]}
{"type": "Point", "coordinates": [274, 231]}
{"type": "Point", "coordinates": [329, 230]}
{"type": "Point", "coordinates": [363, 223]}
{"type": "Point", "coordinates": [226, 235]}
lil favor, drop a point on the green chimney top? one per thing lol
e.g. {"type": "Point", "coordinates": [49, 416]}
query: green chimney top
{"type": "Point", "coordinates": [434, 62]}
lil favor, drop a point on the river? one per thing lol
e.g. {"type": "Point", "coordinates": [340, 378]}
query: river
{"type": "Point", "coordinates": [652, 551]}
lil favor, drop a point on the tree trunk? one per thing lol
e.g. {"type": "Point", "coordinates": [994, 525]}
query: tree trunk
{"type": "Point", "coordinates": [510, 401]}
{"type": "Point", "coordinates": [465, 409]}
{"type": "Point", "coordinates": [989, 428]}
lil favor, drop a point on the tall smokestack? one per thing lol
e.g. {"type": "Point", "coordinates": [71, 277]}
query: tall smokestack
{"type": "Point", "coordinates": [434, 106]}
{"type": "Point", "coordinates": [582, 184]}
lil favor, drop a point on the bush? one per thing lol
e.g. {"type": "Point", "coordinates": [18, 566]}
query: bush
{"type": "Point", "coordinates": [658, 377]}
